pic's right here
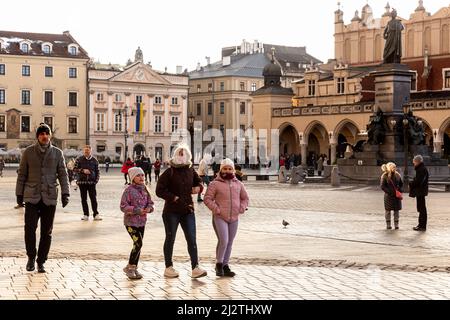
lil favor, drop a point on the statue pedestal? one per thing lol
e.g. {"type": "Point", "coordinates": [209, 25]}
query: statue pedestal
{"type": "Point", "coordinates": [392, 87]}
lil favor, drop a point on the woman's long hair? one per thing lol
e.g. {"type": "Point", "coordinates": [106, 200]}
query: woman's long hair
{"type": "Point", "coordinates": [389, 169]}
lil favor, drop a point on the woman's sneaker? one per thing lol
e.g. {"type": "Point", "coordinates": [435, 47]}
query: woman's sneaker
{"type": "Point", "coordinates": [130, 271]}
{"type": "Point", "coordinates": [170, 272]}
{"type": "Point", "coordinates": [198, 272]}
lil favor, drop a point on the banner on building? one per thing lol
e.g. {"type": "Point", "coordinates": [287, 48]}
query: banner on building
{"type": "Point", "coordinates": [139, 117]}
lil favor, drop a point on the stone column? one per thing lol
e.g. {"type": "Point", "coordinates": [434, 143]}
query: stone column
{"type": "Point", "coordinates": [303, 147]}
{"type": "Point", "coordinates": [333, 146]}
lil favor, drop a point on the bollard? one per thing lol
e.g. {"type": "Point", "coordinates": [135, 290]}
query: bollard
{"type": "Point", "coordinates": [335, 178]}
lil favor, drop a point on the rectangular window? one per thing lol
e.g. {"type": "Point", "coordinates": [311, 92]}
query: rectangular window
{"type": "Point", "coordinates": [199, 88]}
{"type": "Point", "coordinates": [118, 98]}
{"type": "Point", "coordinates": [199, 109]}
{"type": "Point", "coordinates": [447, 80]}
{"type": "Point", "coordinates": [253, 87]}
{"type": "Point", "coordinates": [138, 99]}
{"type": "Point", "coordinates": [2, 69]}
{"type": "Point", "coordinates": [158, 100]}
{"type": "Point", "coordinates": [25, 124]}
{"type": "Point", "coordinates": [101, 148]}
{"type": "Point", "coordinates": [2, 123]}
{"type": "Point", "coordinates": [222, 86]}
{"type": "Point", "coordinates": [210, 87]}
{"type": "Point", "coordinates": [49, 121]}
{"type": "Point", "coordinates": [222, 108]}
{"type": "Point", "coordinates": [174, 101]}
{"type": "Point", "coordinates": [340, 85]}
{"type": "Point", "coordinates": [2, 96]}
{"type": "Point", "coordinates": [73, 51]}
{"type": "Point", "coordinates": [117, 122]}
{"type": "Point", "coordinates": [174, 124]}
{"type": "Point", "coordinates": [26, 71]}
{"type": "Point", "coordinates": [158, 128]}
{"type": "Point", "coordinates": [209, 108]}
{"type": "Point", "coordinates": [100, 122]}
{"type": "Point", "coordinates": [242, 86]}
{"type": "Point", "coordinates": [414, 82]}
{"type": "Point", "coordinates": [73, 99]}
{"type": "Point", "coordinates": [72, 72]}
{"type": "Point", "coordinates": [99, 96]}
{"type": "Point", "coordinates": [73, 125]}
{"type": "Point", "coordinates": [242, 107]}
{"type": "Point", "coordinates": [26, 97]}
{"type": "Point", "coordinates": [311, 87]}
{"type": "Point", "coordinates": [48, 98]}
{"type": "Point", "coordinates": [49, 71]}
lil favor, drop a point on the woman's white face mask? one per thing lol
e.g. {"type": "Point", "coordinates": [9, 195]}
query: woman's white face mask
{"type": "Point", "coordinates": [181, 158]}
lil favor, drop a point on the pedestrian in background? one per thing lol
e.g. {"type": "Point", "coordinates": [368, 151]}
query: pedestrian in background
{"type": "Point", "coordinates": [227, 199]}
{"type": "Point", "coordinates": [41, 165]}
{"type": "Point", "coordinates": [86, 167]}
{"type": "Point", "coordinates": [125, 167]}
{"type": "Point", "coordinates": [136, 203]}
{"type": "Point", "coordinates": [157, 166]}
{"type": "Point", "coordinates": [391, 183]}
{"type": "Point", "coordinates": [418, 188]}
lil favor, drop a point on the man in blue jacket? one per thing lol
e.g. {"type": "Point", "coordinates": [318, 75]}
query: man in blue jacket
{"type": "Point", "coordinates": [86, 167]}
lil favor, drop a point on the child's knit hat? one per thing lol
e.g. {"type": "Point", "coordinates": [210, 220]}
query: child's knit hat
{"type": "Point", "coordinates": [133, 172]}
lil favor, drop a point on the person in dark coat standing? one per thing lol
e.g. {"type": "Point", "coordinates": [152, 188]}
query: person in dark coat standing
{"type": "Point", "coordinates": [418, 188]}
{"type": "Point", "coordinates": [86, 167]}
{"type": "Point", "coordinates": [390, 182]}
{"type": "Point", "coordinates": [41, 165]}
{"type": "Point", "coordinates": [176, 186]}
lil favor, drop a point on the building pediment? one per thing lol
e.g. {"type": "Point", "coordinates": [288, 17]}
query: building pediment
{"type": "Point", "coordinates": [140, 73]}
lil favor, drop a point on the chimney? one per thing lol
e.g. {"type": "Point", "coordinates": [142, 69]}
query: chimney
{"type": "Point", "coordinates": [208, 61]}
{"type": "Point", "coordinates": [198, 66]}
{"type": "Point", "coordinates": [66, 33]}
{"type": "Point", "coordinates": [179, 69]}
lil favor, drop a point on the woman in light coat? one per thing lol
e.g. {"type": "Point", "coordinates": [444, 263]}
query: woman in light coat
{"type": "Point", "coordinates": [227, 198]}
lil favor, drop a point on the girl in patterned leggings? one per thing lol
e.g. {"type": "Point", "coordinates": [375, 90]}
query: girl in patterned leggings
{"type": "Point", "coordinates": [136, 203]}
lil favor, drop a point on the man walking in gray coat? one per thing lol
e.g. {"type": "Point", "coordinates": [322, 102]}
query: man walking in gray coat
{"type": "Point", "coordinates": [40, 166]}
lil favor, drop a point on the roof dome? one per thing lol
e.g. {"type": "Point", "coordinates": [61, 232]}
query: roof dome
{"type": "Point", "coordinates": [272, 70]}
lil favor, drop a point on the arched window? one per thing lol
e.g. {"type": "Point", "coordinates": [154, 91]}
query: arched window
{"type": "Point", "coordinates": [427, 39]}
{"type": "Point", "coordinates": [410, 44]}
{"type": "Point", "coordinates": [362, 49]}
{"type": "Point", "coordinates": [24, 47]}
{"type": "Point", "coordinates": [347, 51]}
{"type": "Point", "coordinates": [445, 48]}
{"type": "Point", "coordinates": [46, 49]}
{"type": "Point", "coordinates": [377, 55]}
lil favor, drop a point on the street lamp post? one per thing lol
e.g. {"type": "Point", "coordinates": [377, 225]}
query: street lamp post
{"type": "Point", "coordinates": [191, 120]}
{"type": "Point", "coordinates": [125, 133]}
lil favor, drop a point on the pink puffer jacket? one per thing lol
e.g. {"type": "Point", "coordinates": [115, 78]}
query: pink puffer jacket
{"type": "Point", "coordinates": [226, 198]}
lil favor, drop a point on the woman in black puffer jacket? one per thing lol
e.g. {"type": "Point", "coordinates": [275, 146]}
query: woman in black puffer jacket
{"type": "Point", "coordinates": [390, 182]}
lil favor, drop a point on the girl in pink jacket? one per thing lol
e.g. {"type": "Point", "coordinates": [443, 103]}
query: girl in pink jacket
{"type": "Point", "coordinates": [227, 199]}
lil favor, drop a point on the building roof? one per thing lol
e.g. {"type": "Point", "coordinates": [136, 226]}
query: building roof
{"type": "Point", "coordinates": [10, 44]}
{"type": "Point", "coordinates": [242, 65]}
{"type": "Point", "coordinates": [273, 90]}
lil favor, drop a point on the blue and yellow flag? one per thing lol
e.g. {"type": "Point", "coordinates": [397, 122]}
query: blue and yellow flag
{"type": "Point", "coordinates": [139, 117]}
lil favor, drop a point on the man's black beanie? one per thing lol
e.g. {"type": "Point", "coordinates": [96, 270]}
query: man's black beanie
{"type": "Point", "coordinates": [43, 128]}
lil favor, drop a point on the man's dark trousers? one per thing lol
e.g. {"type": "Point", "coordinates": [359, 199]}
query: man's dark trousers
{"type": "Point", "coordinates": [34, 212]}
{"type": "Point", "coordinates": [84, 190]}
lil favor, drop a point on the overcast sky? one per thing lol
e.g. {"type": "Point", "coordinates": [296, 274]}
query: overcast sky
{"type": "Point", "coordinates": [183, 32]}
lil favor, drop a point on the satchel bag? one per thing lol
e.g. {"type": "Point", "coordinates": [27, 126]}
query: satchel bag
{"type": "Point", "coordinates": [398, 194]}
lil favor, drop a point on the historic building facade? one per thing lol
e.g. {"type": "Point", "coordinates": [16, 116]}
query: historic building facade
{"type": "Point", "coordinates": [220, 92]}
{"type": "Point", "coordinates": [114, 94]}
{"type": "Point", "coordinates": [333, 103]}
{"type": "Point", "coordinates": [43, 78]}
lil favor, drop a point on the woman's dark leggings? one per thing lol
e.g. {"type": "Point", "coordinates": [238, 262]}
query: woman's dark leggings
{"type": "Point", "coordinates": [137, 235]}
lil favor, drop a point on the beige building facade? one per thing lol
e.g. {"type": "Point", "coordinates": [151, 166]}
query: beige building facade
{"type": "Point", "coordinates": [113, 97]}
{"type": "Point", "coordinates": [43, 78]}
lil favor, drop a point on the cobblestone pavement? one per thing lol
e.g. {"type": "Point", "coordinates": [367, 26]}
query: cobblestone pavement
{"type": "Point", "coordinates": [333, 234]}
{"type": "Point", "coordinates": [104, 279]}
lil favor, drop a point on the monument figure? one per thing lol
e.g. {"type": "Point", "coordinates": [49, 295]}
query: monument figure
{"type": "Point", "coordinates": [376, 129]}
{"type": "Point", "coordinates": [393, 36]}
